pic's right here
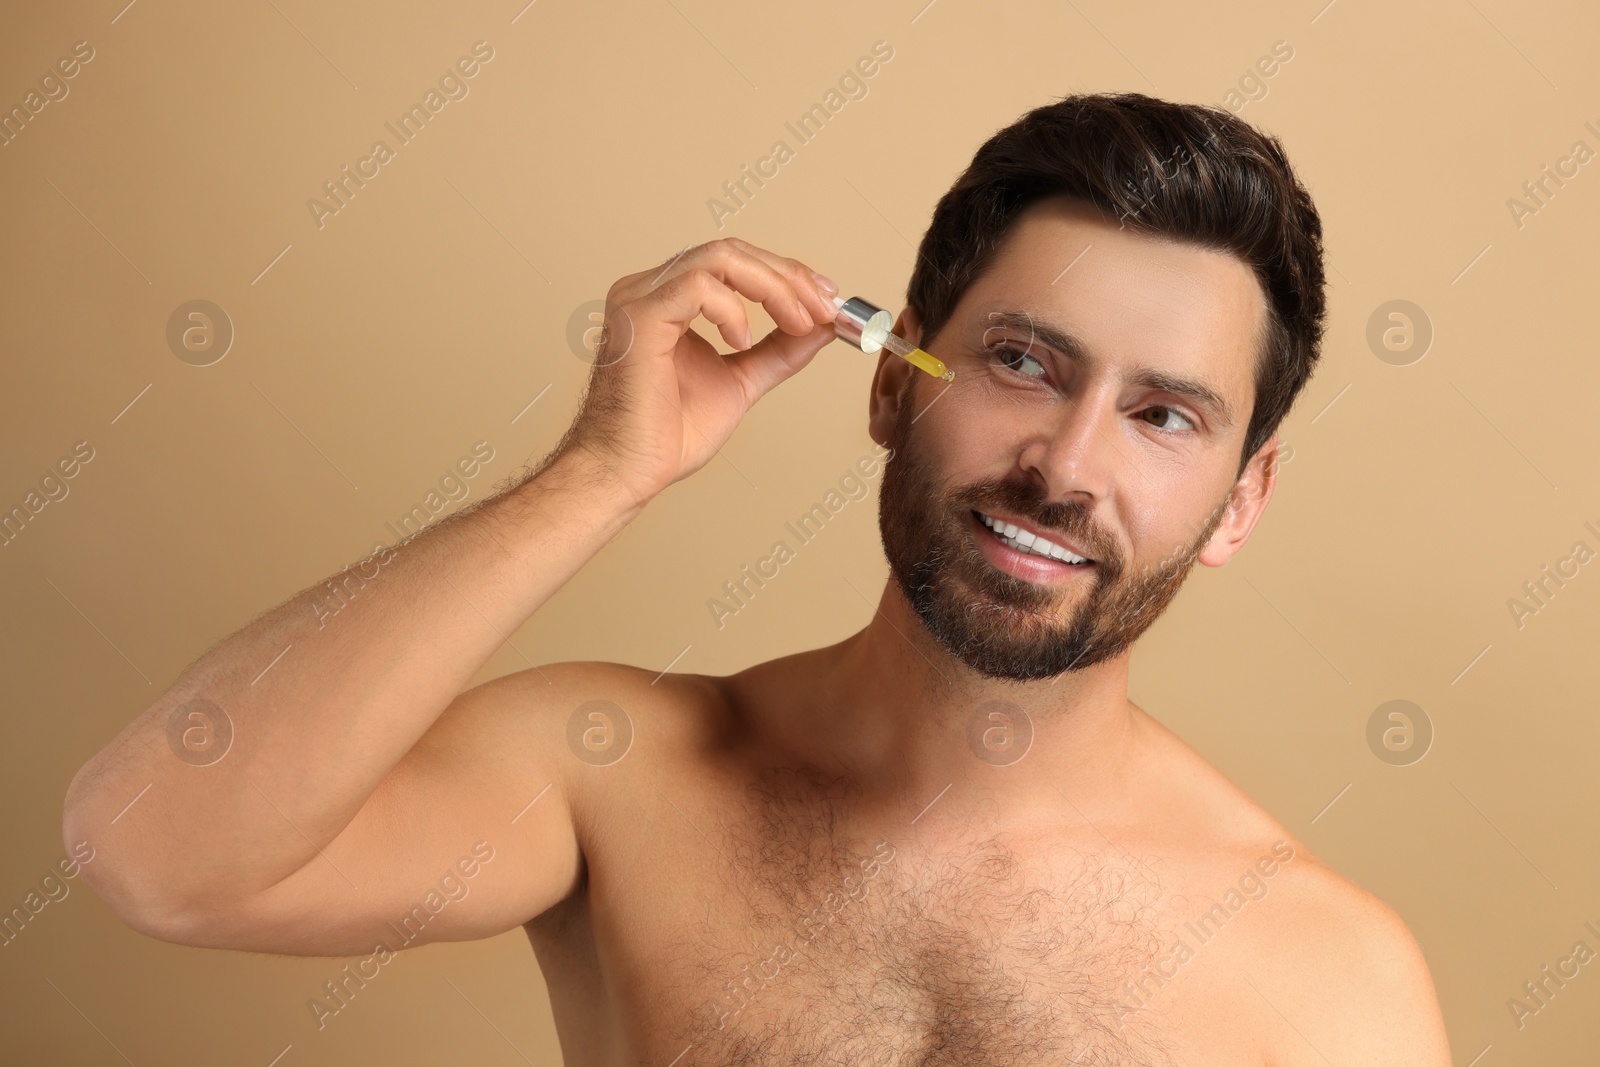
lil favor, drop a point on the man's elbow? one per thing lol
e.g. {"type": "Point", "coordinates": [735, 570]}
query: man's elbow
{"type": "Point", "coordinates": [140, 897]}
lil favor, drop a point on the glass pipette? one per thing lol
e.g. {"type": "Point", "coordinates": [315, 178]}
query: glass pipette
{"type": "Point", "coordinates": [867, 326]}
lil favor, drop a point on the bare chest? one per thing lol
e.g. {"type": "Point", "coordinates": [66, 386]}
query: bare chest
{"type": "Point", "coordinates": [899, 966]}
{"type": "Point", "coordinates": [784, 944]}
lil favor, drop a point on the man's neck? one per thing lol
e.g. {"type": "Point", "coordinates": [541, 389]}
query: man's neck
{"type": "Point", "coordinates": [892, 709]}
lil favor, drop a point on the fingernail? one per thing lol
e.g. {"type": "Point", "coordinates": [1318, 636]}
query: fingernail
{"type": "Point", "coordinates": [825, 283]}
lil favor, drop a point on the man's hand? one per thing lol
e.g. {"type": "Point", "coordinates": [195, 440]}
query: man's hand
{"type": "Point", "coordinates": [661, 399]}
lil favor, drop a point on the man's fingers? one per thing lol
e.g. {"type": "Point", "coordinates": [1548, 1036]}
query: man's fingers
{"type": "Point", "coordinates": [775, 358]}
{"type": "Point", "coordinates": [789, 295]}
{"type": "Point", "coordinates": [803, 279]}
{"type": "Point", "coordinates": [681, 299]}
{"type": "Point", "coordinates": [755, 278]}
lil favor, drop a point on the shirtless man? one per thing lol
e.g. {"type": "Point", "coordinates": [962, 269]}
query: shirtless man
{"type": "Point", "coordinates": [950, 838]}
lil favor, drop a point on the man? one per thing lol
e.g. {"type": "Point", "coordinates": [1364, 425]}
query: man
{"type": "Point", "coordinates": [950, 838]}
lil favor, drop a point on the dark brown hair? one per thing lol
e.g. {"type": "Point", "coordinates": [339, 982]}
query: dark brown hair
{"type": "Point", "coordinates": [1188, 172]}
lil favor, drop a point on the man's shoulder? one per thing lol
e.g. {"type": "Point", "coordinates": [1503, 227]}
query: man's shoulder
{"type": "Point", "coordinates": [560, 683]}
{"type": "Point", "coordinates": [1333, 968]}
{"type": "Point", "coordinates": [592, 700]}
{"type": "Point", "coordinates": [1345, 973]}
{"type": "Point", "coordinates": [1332, 963]}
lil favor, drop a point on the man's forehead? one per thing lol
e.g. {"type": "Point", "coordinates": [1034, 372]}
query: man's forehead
{"type": "Point", "coordinates": [1067, 248]}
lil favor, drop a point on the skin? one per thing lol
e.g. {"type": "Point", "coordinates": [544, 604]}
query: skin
{"type": "Point", "coordinates": [845, 853]}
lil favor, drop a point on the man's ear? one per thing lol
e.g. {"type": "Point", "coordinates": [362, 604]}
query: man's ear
{"type": "Point", "coordinates": [890, 378]}
{"type": "Point", "coordinates": [1245, 506]}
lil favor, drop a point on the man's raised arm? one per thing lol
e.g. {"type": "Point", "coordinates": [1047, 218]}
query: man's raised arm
{"type": "Point", "coordinates": [357, 770]}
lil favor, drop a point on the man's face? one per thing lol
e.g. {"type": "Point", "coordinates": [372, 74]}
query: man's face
{"type": "Point", "coordinates": [1102, 405]}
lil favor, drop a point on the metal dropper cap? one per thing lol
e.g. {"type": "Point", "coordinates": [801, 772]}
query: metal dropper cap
{"type": "Point", "coordinates": [862, 324]}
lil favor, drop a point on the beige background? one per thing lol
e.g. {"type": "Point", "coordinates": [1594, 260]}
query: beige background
{"type": "Point", "coordinates": [431, 310]}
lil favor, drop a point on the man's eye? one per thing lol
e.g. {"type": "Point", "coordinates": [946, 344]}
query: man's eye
{"type": "Point", "coordinates": [1166, 415]}
{"type": "Point", "coordinates": [1011, 358]}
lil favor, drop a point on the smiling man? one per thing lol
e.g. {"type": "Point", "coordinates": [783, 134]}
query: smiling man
{"type": "Point", "coordinates": [950, 838]}
{"type": "Point", "coordinates": [1111, 395]}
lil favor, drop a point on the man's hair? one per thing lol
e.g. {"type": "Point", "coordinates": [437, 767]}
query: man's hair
{"type": "Point", "coordinates": [1188, 172]}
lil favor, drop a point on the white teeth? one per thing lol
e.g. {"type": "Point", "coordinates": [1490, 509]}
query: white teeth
{"type": "Point", "coordinates": [1027, 541]}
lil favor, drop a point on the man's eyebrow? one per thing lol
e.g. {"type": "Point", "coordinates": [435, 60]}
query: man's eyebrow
{"type": "Point", "coordinates": [1072, 348]}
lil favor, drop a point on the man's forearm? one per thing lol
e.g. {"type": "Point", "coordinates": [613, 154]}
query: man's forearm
{"type": "Point", "coordinates": [353, 691]}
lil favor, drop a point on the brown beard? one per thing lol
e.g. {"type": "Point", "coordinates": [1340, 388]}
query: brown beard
{"type": "Point", "coordinates": [997, 624]}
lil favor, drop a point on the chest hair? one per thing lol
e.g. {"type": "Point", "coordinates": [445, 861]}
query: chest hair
{"type": "Point", "coordinates": [830, 948]}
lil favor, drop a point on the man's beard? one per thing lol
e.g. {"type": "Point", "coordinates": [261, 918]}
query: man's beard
{"type": "Point", "coordinates": [997, 624]}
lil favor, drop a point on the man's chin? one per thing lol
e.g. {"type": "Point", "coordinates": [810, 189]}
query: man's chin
{"type": "Point", "coordinates": [985, 586]}
{"type": "Point", "coordinates": [1003, 639]}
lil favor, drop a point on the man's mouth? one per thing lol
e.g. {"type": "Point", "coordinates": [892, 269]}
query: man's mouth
{"type": "Point", "coordinates": [1028, 542]}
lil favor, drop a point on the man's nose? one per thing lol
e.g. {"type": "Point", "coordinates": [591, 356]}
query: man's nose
{"type": "Point", "coordinates": [1077, 452]}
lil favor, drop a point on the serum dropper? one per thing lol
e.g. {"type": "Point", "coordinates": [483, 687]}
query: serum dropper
{"type": "Point", "coordinates": [867, 326]}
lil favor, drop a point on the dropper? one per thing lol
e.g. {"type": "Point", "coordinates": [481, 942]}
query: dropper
{"type": "Point", "coordinates": [867, 326]}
